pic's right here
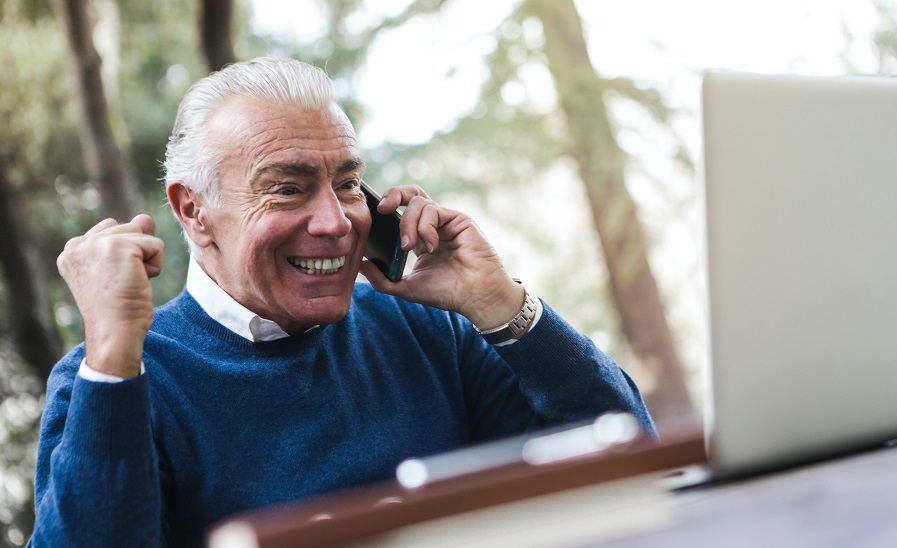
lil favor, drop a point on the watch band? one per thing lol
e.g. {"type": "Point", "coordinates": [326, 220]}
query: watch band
{"type": "Point", "coordinates": [517, 327]}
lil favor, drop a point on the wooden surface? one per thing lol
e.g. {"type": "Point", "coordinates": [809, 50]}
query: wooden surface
{"type": "Point", "coordinates": [352, 516]}
{"type": "Point", "coordinates": [851, 501]}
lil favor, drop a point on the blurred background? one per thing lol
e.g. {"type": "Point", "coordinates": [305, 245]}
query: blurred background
{"type": "Point", "coordinates": [569, 129]}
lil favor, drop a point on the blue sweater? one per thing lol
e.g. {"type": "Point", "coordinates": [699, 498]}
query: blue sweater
{"type": "Point", "coordinates": [220, 424]}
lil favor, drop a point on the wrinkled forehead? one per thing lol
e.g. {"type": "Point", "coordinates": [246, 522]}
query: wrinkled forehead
{"type": "Point", "coordinates": [251, 139]}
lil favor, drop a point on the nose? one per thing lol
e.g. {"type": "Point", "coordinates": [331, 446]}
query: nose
{"type": "Point", "coordinates": [328, 218]}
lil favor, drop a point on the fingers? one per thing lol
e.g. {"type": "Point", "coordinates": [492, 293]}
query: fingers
{"type": "Point", "coordinates": [427, 222]}
{"type": "Point", "coordinates": [421, 219]}
{"type": "Point", "coordinates": [141, 223]}
{"type": "Point", "coordinates": [105, 224]}
{"type": "Point", "coordinates": [149, 250]}
{"type": "Point", "coordinates": [153, 254]}
{"type": "Point", "coordinates": [399, 196]}
{"type": "Point", "coordinates": [381, 283]}
{"type": "Point", "coordinates": [136, 236]}
{"type": "Point", "coordinates": [370, 271]}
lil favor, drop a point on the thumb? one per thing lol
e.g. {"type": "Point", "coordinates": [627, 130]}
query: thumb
{"type": "Point", "coordinates": [146, 224]}
{"type": "Point", "coordinates": [378, 281]}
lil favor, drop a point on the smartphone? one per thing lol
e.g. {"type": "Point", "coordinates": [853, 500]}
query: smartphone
{"type": "Point", "coordinates": [384, 247]}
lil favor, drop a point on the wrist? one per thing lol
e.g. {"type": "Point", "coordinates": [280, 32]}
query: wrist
{"type": "Point", "coordinates": [518, 326]}
{"type": "Point", "coordinates": [115, 359]}
{"type": "Point", "coordinates": [501, 307]}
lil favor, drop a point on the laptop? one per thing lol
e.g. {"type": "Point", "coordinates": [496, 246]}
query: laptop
{"type": "Point", "coordinates": [801, 205]}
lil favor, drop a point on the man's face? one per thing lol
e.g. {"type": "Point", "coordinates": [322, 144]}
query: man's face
{"type": "Point", "coordinates": [289, 231]}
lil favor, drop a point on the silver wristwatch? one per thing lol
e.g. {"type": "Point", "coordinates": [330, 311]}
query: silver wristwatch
{"type": "Point", "coordinates": [517, 327]}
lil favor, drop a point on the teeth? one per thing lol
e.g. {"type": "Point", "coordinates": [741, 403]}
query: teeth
{"type": "Point", "coordinates": [318, 266]}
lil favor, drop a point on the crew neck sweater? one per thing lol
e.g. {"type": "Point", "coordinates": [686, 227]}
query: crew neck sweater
{"type": "Point", "coordinates": [220, 424]}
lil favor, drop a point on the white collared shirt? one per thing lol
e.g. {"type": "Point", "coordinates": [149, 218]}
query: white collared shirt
{"type": "Point", "coordinates": [222, 308]}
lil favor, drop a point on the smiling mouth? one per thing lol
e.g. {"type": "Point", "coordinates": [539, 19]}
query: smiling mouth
{"type": "Point", "coordinates": [318, 266]}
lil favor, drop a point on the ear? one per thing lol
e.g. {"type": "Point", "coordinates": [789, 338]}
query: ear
{"type": "Point", "coordinates": [190, 209]}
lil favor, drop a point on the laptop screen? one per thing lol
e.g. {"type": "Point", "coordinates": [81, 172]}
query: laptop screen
{"type": "Point", "coordinates": [801, 204]}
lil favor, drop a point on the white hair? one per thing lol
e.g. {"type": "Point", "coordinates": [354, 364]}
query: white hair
{"type": "Point", "coordinates": [188, 157]}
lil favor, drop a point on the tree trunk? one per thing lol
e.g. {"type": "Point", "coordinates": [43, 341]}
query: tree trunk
{"type": "Point", "coordinates": [106, 163]}
{"type": "Point", "coordinates": [601, 165]}
{"type": "Point", "coordinates": [215, 29]}
{"type": "Point", "coordinates": [34, 335]}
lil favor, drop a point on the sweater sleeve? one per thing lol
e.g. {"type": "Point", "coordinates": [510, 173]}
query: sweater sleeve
{"type": "Point", "coordinates": [560, 375]}
{"type": "Point", "coordinates": [97, 481]}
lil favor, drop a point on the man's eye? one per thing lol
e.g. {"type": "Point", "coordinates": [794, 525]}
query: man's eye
{"type": "Point", "coordinates": [350, 185]}
{"type": "Point", "coordinates": [287, 190]}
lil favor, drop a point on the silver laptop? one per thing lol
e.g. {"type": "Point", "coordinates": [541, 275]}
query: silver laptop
{"type": "Point", "coordinates": [801, 203]}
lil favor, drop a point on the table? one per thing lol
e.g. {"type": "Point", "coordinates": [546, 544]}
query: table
{"type": "Point", "coordinates": [518, 492]}
{"type": "Point", "coordinates": [845, 502]}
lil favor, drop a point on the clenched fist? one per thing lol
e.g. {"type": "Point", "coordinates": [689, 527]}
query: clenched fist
{"type": "Point", "coordinates": [108, 270]}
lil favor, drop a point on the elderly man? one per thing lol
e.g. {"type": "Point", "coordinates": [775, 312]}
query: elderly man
{"type": "Point", "coordinates": [275, 376]}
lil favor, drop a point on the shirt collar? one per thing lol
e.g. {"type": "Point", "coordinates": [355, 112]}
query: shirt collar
{"type": "Point", "coordinates": [222, 308]}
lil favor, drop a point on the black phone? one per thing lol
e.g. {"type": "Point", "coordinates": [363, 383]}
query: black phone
{"type": "Point", "coordinates": [384, 247]}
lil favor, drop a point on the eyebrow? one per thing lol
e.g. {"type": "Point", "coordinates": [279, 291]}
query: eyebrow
{"type": "Point", "coordinates": [306, 170]}
{"type": "Point", "coordinates": [352, 164]}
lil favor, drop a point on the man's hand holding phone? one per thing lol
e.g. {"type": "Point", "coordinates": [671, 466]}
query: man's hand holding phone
{"type": "Point", "coordinates": [457, 269]}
